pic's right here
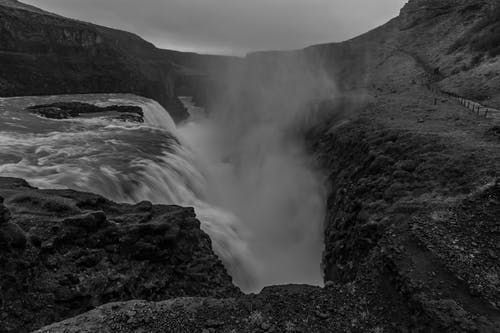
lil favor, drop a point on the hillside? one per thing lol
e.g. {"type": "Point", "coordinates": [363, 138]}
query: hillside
{"type": "Point", "coordinates": [451, 43]}
{"type": "Point", "coordinates": [43, 53]}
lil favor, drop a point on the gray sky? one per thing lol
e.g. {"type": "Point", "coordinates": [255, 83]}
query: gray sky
{"type": "Point", "coordinates": [232, 26]}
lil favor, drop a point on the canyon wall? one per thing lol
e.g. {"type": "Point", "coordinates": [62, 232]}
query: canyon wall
{"type": "Point", "coordinates": [45, 54]}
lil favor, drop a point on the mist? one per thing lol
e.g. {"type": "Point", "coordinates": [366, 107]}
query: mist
{"type": "Point", "coordinates": [257, 168]}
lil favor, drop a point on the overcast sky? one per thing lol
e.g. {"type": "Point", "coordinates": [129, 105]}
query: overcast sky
{"type": "Point", "coordinates": [232, 26]}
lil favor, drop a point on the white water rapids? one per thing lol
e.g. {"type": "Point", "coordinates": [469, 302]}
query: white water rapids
{"type": "Point", "coordinates": [261, 206]}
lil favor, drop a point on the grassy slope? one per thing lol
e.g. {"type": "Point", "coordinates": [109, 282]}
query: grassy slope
{"type": "Point", "coordinates": [454, 47]}
{"type": "Point", "coordinates": [413, 177]}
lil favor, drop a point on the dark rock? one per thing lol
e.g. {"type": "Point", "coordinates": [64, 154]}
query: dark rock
{"type": "Point", "coordinates": [65, 110]}
{"type": "Point", "coordinates": [265, 326]}
{"type": "Point", "coordinates": [408, 165]}
{"type": "Point", "coordinates": [212, 323]}
{"type": "Point", "coordinates": [4, 213]}
{"type": "Point", "coordinates": [12, 236]}
{"type": "Point", "coordinates": [35, 240]}
{"type": "Point", "coordinates": [380, 163]}
{"type": "Point", "coordinates": [88, 221]}
{"type": "Point", "coordinates": [85, 250]}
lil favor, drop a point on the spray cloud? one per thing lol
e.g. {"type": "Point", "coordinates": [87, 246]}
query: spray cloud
{"type": "Point", "coordinates": [257, 168]}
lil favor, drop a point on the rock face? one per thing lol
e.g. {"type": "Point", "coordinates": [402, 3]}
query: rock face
{"type": "Point", "coordinates": [63, 253]}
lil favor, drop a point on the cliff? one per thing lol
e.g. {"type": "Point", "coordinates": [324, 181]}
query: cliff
{"type": "Point", "coordinates": [46, 54]}
{"type": "Point", "coordinates": [64, 252]}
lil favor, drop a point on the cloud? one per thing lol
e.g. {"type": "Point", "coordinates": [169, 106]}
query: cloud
{"type": "Point", "coordinates": [232, 26]}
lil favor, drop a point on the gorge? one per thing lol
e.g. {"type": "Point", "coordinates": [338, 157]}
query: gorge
{"type": "Point", "coordinates": [340, 193]}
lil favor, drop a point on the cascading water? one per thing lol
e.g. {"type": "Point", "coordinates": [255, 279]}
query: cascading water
{"type": "Point", "coordinates": [240, 167]}
{"type": "Point", "coordinates": [123, 162]}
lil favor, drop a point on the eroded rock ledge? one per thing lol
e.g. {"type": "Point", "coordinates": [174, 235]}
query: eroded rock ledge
{"type": "Point", "coordinates": [64, 252]}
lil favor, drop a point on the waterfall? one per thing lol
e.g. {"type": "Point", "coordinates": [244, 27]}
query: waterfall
{"type": "Point", "coordinates": [156, 116]}
{"type": "Point", "coordinates": [122, 162]}
{"type": "Point", "coordinates": [251, 187]}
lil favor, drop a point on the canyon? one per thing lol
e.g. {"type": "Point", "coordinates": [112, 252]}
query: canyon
{"type": "Point", "coordinates": [412, 207]}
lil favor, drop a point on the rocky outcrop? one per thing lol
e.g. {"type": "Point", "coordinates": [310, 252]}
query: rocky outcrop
{"type": "Point", "coordinates": [63, 253]}
{"type": "Point", "coordinates": [65, 110]}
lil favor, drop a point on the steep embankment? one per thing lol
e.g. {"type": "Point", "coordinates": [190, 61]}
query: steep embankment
{"type": "Point", "coordinates": [46, 54]}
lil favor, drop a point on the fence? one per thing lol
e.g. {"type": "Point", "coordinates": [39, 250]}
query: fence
{"type": "Point", "coordinates": [477, 108]}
